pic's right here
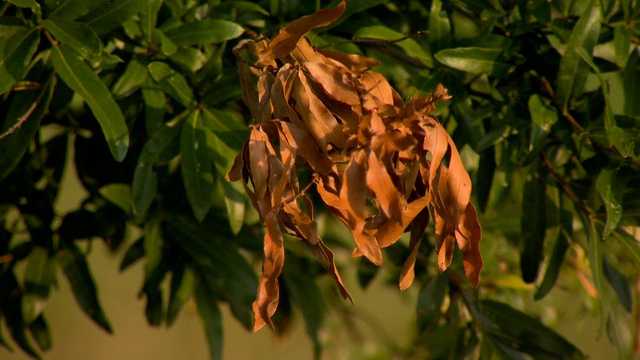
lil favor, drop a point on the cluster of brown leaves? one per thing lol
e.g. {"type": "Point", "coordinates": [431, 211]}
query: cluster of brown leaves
{"type": "Point", "coordinates": [380, 165]}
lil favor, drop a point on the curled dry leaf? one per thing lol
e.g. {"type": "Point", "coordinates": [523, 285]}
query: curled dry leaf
{"type": "Point", "coordinates": [382, 166]}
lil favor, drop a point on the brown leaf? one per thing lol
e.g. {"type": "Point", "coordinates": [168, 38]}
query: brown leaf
{"type": "Point", "coordinates": [418, 226]}
{"type": "Point", "coordinates": [288, 37]}
{"type": "Point", "coordinates": [468, 236]}
{"type": "Point", "coordinates": [268, 296]}
{"type": "Point", "coordinates": [386, 193]}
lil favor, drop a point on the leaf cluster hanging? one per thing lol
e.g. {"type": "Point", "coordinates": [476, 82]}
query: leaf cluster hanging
{"type": "Point", "coordinates": [380, 165]}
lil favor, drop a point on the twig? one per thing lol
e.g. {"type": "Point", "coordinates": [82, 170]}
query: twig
{"type": "Point", "coordinates": [23, 119]}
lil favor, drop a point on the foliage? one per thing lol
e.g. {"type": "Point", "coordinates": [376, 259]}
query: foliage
{"type": "Point", "coordinates": [143, 99]}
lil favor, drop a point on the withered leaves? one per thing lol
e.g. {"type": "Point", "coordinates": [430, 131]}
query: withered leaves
{"type": "Point", "coordinates": [382, 166]}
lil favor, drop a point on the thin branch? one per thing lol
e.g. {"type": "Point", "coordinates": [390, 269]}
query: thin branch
{"type": "Point", "coordinates": [22, 120]}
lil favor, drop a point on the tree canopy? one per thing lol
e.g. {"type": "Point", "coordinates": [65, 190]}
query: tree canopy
{"type": "Point", "coordinates": [518, 117]}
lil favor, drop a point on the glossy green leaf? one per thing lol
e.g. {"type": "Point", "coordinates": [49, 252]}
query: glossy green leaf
{"type": "Point", "coordinates": [228, 127]}
{"type": "Point", "coordinates": [76, 35]}
{"type": "Point", "coordinates": [112, 14]}
{"type": "Point", "coordinates": [533, 225]}
{"type": "Point", "coordinates": [183, 282]}
{"type": "Point", "coordinates": [16, 56]}
{"type": "Point", "coordinates": [211, 319]}
{"type": "Point", "coordinates": [133, 77]}
{"type": "Point", "coordinates": [572, 73]}
{"type": "Point", "coordinates": [410, 46]}
{"type": "Point", "coordinates": [622, 44]}
{"type": "Point", "coordinates": [28, 4]}
{"type": "Point", "coordinates": [26, 110]}
{"type": "Point", "coordinates": [118, 194]}
{"type": "Point", "coordinates": [196, 168]}
{"type": "Point", "coordinates": [205, 32]}
{"type": "Point", "coordinates": [475, 60]}
{"type": "Point", "coordinates": [543, 117]}
{"type": "Point", "coordinates": [76, 269]}
{"type": "Point", "coordinates": [171, 82]}
{"type": "Point", "coordinates": [79, 77]}
{"type": "Point", "coordinates": [609, 188]}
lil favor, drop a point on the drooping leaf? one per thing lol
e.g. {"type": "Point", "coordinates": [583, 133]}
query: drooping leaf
{"type": "Point", "coordinates": [619, 283]}
{"type": "Point", "coordinates": [39, 277]}
{"type": "Point", "coordinates": [171, 82]}
{"type": "Point", "coordinates": [134, 253]}
{"type": "Point", "coordinates": [79, 77]}
{"type": "Point", "coordinates": [183, 283]}
{"type": "Point", "coordinates": [77, 272]}
{"type": "Point", "coordinates": [211, 319]}
{"type": "Point", "coordinates": [411, 47]}
{"type": "Point", "coordinates": [40, 332]}
{"type": "Point", "coordinates": [131, 79]}
{"type": "Point", "coordinates": [557, 258]}
{"type": "Point", "coordinates": [430, 300]}
{"type": "Point", "coordinates": [532, 226]}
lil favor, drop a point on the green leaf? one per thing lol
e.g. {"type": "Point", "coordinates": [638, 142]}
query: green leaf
{"type": "Point", "coordinates": [26, 109]}
{"type": "Point", "coordinates": [439, 26]}
{"type": "Point", "coordinates": [197, 174]}
{"type": "Point", "coordinates": [118, 194]}
{"type": "Point", "coordinates": [79, 77]}
{"type": "Point", "coordinates": [133, 77]}
{"type": "Point", "coordinates": [557, 257]}
{"type": "Point", "coordinates": [609, 188]}
{"type": "Point", "coordinates": [155, 106]}
{"type": "Point", "coordinates": [630, 244]}
{"type": "Point", "coordinates": [631, 92]}
{"type": "Point", "coordinates": [543, 117]}
{"type": "Point", "coordinates": [533, 225]}
{"type": "Point", "coordinates": [172, 82]}
{"type": "Point", "coordinates": [211, 31]}
{"type": "Point", "coordinates": [211, 319]}
{"type": "Point", "coordinates": [167, 46]}
{"type": "Point", "coordinates": [112, 14]}
{"type": "Point", "coordinates": [219, 264]}
{"type": "Point", "coordinates": [619, 284]}
{"type": "Point", "coordinates": [77, 35]}
{"type": "Point", "coordinates": [246, 6]}
{"type": "Point", "coordinates": [307, 295]}
{"type": "Point", "coordinates": [227, 127]}
{"type": "Point", "coordinates": [73, 9]}
{"type": "Point", "coordinates": [524, 333]}
{"type": "Point", "coordinates": [27, 4]}
{"type": "Point", "coordinates": [84, 290]}
{"type": "Point", "coordinates": [182, 288]}
{"type": "Point", "coordinates": [153, 246]}
{"type": "Point", "coordinates": [39, 276]}
{"type": "Point", "coordinates": [475, 60]}
{"type": "Point", "coordinates": [145, 181]}
{"type": "Point", "coordinates": [39, 330]}
{"type": "Point", "coordinates": [134, 253]}
{"type": "Point", "coordinates": [430, 301]}
{"type": "Point", "coordinates": [572, 73]}
{"type": "Point", "coordinates": [150, 17]}
{"type": "Point", "coordinates": [411, 47]}
{"type": "Point", "coordinates": [622, 45]}
{"type": "Point", "coordinates": [17, 54]}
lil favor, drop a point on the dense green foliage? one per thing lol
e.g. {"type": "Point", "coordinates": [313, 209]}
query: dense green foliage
{"type": "Point", "coordinates": [143, 98]}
